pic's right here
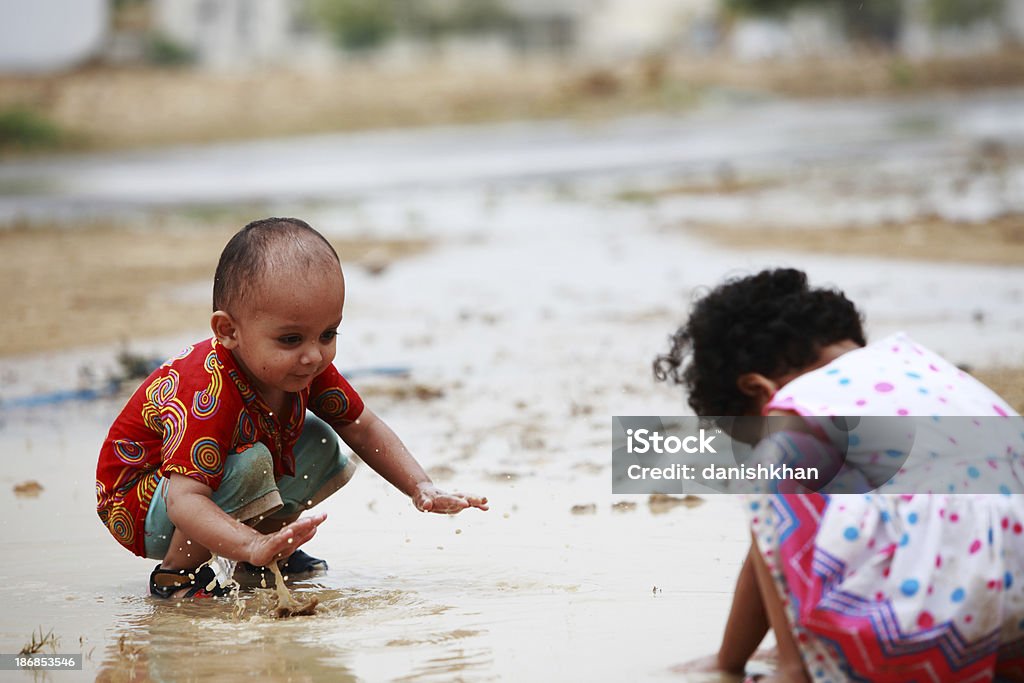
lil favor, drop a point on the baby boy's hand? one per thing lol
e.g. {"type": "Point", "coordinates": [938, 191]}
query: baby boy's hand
{"type": "Point", "coordinates": [279, 545]}
{"type": "Point", "coordinates": [429, 498]}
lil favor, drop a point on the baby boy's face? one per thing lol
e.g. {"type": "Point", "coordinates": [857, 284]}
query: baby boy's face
{"type": "Point", "coordinates": [286, 333]}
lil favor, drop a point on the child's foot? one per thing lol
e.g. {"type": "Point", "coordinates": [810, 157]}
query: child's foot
{"type": "Point", "coordinates": [200, 582]}
{"type": "Point", "coordinates": [299, 565]}
{"type": "Point", "coordinates": [708, 665]}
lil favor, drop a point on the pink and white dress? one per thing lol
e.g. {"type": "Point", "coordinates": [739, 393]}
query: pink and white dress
{"type": "Point", "coordinates": [922, 585]}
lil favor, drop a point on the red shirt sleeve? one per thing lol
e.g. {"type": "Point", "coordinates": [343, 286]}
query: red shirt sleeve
{"type": "Point", "coordinates": [198, 410]}
{"type": "Point", "coordinates": [333, 400]}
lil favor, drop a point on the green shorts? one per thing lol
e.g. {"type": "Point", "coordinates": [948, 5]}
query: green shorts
{"type": "Point", "coordinates": [248, 491]}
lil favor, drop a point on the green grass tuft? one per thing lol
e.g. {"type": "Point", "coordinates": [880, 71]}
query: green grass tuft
{"type": "Point", "coordinates": [25, 129]}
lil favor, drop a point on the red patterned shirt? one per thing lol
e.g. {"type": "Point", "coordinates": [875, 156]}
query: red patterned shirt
{"type": "Point", "coordinates": [187, 417]}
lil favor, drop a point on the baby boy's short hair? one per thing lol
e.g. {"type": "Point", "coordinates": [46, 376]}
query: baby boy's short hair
{"type": "Point", "coordinates": [261, 248]}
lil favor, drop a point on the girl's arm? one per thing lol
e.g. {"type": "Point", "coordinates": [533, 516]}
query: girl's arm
{"type": "Point", "coordinates": [747, 624]}
{"type": "Point", "coordinates": [745, 629]}
{"type": "Point", "coordinates": [380, 448]}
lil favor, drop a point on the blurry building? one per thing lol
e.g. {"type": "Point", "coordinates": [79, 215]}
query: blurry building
{"type": "Point", "coordinates": [47, 35]}
{"type": "Point", "coordinates": [922, 38]}
{"type": "Point", "coordinates": [608, 30]}
{"type": "Point", "coordinates": [234, 33]}
{"type": "Point", "coordinates": [225, 33]}
{"type": "Point", "coordinates": [229, 33]}
{"type": "Point", "coordinates": [806, 32]}
{"type": "Point", "coordinates": [911, 27]}
{"type": "Point", "coordinates": [546, 27]}
{"type": "Point", "coordinates": [634, 28]}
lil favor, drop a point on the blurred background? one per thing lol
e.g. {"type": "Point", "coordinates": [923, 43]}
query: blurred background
{"type": "Point", "coordinates": [123, 73]}
{"type": "Point", "coordinates": [746, 123]}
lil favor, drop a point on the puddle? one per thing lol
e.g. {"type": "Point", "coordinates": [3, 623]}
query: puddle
{"type": "Point", "coordinates": [532, 321]}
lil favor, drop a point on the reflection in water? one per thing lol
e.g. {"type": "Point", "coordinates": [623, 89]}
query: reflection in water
{"type": "Point", "coordinates": [452, 661]}
{"type": "Point", "coordinates": [233, 638]}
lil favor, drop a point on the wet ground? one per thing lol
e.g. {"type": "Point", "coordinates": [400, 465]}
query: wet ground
{"type": "Point", "coordinates": [531, 321]}
{"type": "Point", "coordinates": [523, 591]}
{"type": "Point", "coordinates": [527, 591]}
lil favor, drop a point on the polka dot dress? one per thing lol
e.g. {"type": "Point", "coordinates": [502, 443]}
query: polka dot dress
{"type": "Point", "coordinates": [921, 579]}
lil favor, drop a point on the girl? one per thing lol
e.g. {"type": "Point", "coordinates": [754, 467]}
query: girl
{"type": "Point", "coordinates": [924, 585]}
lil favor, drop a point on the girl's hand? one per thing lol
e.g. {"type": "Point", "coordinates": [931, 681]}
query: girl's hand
{"type": "Point", "coordinates": [429, 498]}
{"type": "Point", "coordinates": [267, 548]}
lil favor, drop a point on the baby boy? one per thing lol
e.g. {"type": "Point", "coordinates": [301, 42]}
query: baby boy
{"type": "Point", "coordinates": [215, 453]}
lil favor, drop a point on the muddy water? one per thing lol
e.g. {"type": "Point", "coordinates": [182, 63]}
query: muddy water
{"type": "Point", "coordinates": [527, 591]}
{"type": "Point", "coordinates": [532, 322]}
{"type": "Point", "coordinates": [761, 135]}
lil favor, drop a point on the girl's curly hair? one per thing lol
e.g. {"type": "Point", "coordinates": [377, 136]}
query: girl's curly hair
{"type": "Point", "coordinates": [770, 323]}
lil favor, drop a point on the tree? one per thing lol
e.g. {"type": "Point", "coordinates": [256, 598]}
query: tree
{"type": "Point", "coordinates": [873, 21]}
{"type": "Point", "coordinates": [768, 7]}
{"type": "Point", "coordinates": [962, 12]}
{"type": "Point", "coordinates": [356, 24]}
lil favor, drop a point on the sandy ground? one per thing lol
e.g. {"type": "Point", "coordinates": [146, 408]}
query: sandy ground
{"type": "Point", "coordinates": [83, 302]}
{"type": "Point", "coordinates": [999, 241]}
{"type": "Point", "coordinates": [72, 293]}
{"type": "Point", "coordinates": [97, 107]}
{"type": "Point", "coordinates": [521, 315]}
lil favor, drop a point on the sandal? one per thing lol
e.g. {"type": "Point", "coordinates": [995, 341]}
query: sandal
{"type": "Point", "coordinates": [201, 582]}
{"type": "Point", "coordinates": [299, 565]}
